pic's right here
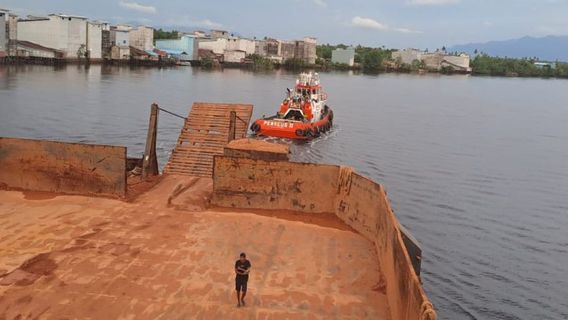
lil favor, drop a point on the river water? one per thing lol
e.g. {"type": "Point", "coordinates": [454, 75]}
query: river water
{"type": "Point", "coordinates": [476, 168]}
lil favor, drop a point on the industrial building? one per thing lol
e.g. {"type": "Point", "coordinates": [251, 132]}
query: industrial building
{"type": "Point", "coordinates": [282, 50]}
{"type": "Point", "coordinates": [8, 33]}
{"type": "Point", "coordinates": [184, 48]}
{"type": "Point", "coordinates": [241, 44]}
{"type": "Point", "coordinates": [142, 37]}
{"type": "Point", "coordinates": [435, 60]}
{"type": "Point", "coordinates": [61, 32]}
{"type": "Point", "coordinates": [343, 56]}
{"type": "Point", "coordinates": [3, 38]}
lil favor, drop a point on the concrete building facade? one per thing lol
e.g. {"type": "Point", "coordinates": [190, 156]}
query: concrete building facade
{"type": "Point", "coordinates": [306, 50]}
{"type": "Point", "coordinates": [119, 37]}
{"type": "Point", "coordinates": [435, 60]}
{"type": "Point", "coordinates": [142, 37]}
{"type": "Point", "coordinates": [460, 62]}
{"type": "Point", "coordinates": [407, 56]}
{"type": "Point", "coordinates": [287, 49]}
{"type": "Point", "coordinates": [94, 39]}
{"type": "Point", "coordinates": [218, 46]}
{"type": "Point", "coordinates": [344, 56]}
{"type": "Point", "coordinates": [120, 53]}
{"type": "Point", "coordinates": [234, 56]}
{"type": "Point", "coordinates": [61, 32]}
{"type": "Point", "coordinates": [12, 33]}
{"type": "Point", "coordinates": [219, 34]}
{"type": "Point", "coordinates": [3, 34]}
{"type": "Point", "coordinates": [241, 44]}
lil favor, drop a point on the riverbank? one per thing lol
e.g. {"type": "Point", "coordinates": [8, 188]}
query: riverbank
{"type": "Point", "coordinates": [59, 62]}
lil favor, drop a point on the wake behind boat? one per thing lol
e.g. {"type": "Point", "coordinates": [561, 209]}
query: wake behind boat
{"type": "Point", "coordinates": [303, 114]}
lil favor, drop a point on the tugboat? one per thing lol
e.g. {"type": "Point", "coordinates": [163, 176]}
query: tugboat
{"type": "Point", "coordinates": [303, 114]}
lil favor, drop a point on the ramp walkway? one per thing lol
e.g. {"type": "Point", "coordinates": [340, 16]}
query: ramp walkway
{"type": "Point", "coordinates": [206, 131]}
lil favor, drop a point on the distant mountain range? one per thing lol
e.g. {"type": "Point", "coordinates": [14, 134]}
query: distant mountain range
{"type": "Point", "coordinates": [550, 48]}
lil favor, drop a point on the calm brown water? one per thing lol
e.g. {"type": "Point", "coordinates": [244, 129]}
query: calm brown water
{"type": "Point", "coordinates": [476, 168]}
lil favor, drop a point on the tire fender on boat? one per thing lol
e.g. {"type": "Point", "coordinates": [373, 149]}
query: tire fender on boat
{"type": "Point", "coordinates": [255, 127]}
{"type": "Point", "coordinates": [300, 132]}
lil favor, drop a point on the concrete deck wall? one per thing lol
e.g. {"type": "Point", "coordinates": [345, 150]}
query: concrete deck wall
{"type": "Point", "coordinates": [39, 165]}
{"type": "Point", "coordinates": [358, 201]}
{"type": "Point", "coordinates": [276, 185]}
{"type": "Point", "coordinates": [363, 204]}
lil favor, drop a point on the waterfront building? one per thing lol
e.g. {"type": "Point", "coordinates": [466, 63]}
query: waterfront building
{"type": "Point", "coordinates": [282, 50]}
{"type": "Point", "coordinates": [440, 59]}
{"type": "Point", "coordinates": [219, 34]}
{"type": "Point", "coordinates": [306, 50]}
{"type": "Point", "coordinates": [30, 49]}
{"type": "Point", "coordinates": [106, 43]}
{"type": "Point", "coordinates": [120, 53]}
{"type": "Point", "coordinates": [260, 47]}
{"type": "Point", "coordinates": [234, 56]}
{"type": "Point", "coordinates": [344, 56]}
{"type": "Point", "coordinates": [433, 61]}
{"type": "Point", "coordinates": [543, 65]}
{"type": "Point", "coordinates": [217, 46]}
{"type": "Point", "coordinates": [8, 33]}
{"type": "Point", "coordinates": [241, 44]}
{"type": "Point", "coordinates": [94, 39]}
{"type": "Point", "coordinates": [3, 39]}
{"type": "Point", "coordinates": [142, 37]}
{"type": "Point", "coordinates": [407, 56]}
{"type": "Point", "coordinates": [119, 36]}
{"type": "Point", "coordinates": [184, 48]}
{"type": "Point", "coordinates": [65, 33]}
{"type": "Point", "coordinates": [199, 34]}
{"type": "Point", "coordinates": [287, 49]}
{"type": "Point", "coordinates": [120, 42]}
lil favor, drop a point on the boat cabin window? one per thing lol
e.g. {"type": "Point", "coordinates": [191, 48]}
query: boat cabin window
{"type": "Point", "coordinates": [294, 114]}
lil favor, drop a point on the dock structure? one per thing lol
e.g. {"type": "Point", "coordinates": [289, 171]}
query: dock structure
{"type": "Point", "coordinates": [206, 132]}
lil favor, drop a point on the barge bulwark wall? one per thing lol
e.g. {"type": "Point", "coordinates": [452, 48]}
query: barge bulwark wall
{"type": "Point", "coordinates": [356, 200]}
{"type": "Point", "coordinates": [72, 168]}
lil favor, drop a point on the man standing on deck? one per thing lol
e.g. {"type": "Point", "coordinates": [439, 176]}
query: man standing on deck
{"type": "Point", "coordinates": [242, 269]}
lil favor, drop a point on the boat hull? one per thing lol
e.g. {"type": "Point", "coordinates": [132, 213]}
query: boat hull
{"type": "Point", "coordinates": [289, 129]}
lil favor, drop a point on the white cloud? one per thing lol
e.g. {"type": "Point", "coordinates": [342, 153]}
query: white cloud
{"type": "Point", "coordinates": [432, 2]}
{"type": "Point", "coordinates": [320, 3]}
{"type": "Point", "coordinates": [487, 23]}
{"type": "Point", "coordinates": [134, 6]}
{"type": "Point", "coordinates": [405, 30]}
{"type": "Point", "coordinates": [368, 23]}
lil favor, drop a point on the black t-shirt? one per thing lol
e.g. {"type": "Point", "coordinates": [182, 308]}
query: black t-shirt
{"type": "Point", "coordinates": [244, 266]}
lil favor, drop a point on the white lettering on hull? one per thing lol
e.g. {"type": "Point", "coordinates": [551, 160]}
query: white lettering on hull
{"type": "Point", "coordinates": [279, 124]}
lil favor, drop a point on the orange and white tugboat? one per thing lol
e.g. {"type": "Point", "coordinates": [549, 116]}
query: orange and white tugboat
{"type": "Point", "coordinates": [303, 114]}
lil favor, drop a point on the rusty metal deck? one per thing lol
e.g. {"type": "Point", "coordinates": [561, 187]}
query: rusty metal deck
{"type": "Point", "coordinates": [204, 135]}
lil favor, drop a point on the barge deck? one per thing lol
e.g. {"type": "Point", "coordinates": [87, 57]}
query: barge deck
{"type": "Point", "coordinates": [82, 257]}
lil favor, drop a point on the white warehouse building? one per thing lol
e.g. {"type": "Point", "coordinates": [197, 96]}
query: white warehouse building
{"type": "Point", "coordinates": [63, 32]}
{"type": "Point", "coordinates": [345, 56]}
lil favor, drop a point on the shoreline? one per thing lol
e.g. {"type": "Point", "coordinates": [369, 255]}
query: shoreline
{"type": "Point", "coordinates": [10, 61]}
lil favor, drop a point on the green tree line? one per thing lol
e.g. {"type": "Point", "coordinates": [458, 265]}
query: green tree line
{"type": "Point", "coordinates": [161, 34]}
{"type": "Point", "coordinates": [495, 66]}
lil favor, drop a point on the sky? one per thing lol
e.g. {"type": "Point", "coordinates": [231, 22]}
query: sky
{"type": "Point", "coordinates": [391, 23]}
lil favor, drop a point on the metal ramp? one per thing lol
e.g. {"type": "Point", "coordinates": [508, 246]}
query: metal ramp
{"type": "Point", "coordinates": [206, 132]}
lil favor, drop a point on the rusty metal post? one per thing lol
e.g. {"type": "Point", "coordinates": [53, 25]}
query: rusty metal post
{"type": "Point", "coordinates": [232, 126]}
{"type": "Point", "coordinates": [150, 161]}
